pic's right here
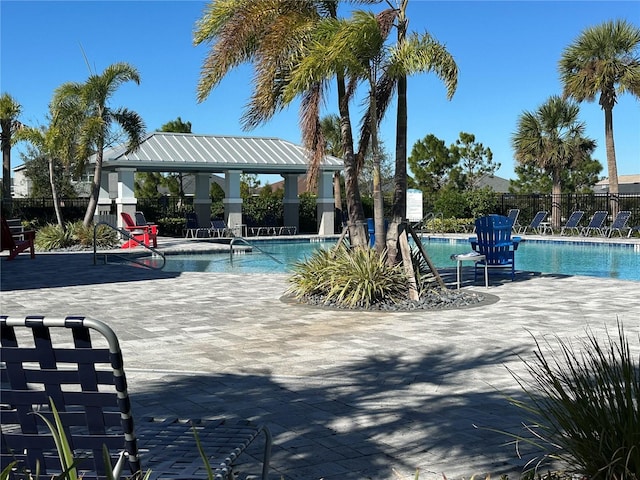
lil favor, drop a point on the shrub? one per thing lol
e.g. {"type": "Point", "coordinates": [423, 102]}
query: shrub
{"type": "Point", "coordinates": [348, 278]}
{"type": "Point", "coordinates": [52, 237]}
{"type": "Point", "coordinates": [584, 407]}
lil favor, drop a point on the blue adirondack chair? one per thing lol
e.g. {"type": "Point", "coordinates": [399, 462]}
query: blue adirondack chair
{"type": "Point", "coordinates": [493, 240]}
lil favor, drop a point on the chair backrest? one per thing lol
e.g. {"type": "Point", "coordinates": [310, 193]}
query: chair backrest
{"type": "Point", "coordinates": [7, 242]}
{"type": "Point", "coordinates": [574, 219]}
{"type": "Point", "coordinates": [192, 220]}
{"type": "Point", "coordinates": [494, 239]}
{"type": "Point", "coordinates": [140, 220]}
{"type": "Point", "coordinates": [598, 218]}
{"type": "Point", "coordinates": [77, 363]}
{"type": "Point", "coordinates": [621, 219]}
{"type": "Point", "coordinates": [128, 221]}
{"type": "Point", "coordinates": [218, 224]}
{"type": "Point", "coordinates": [538, 219]}
{"type": "Point", "coordinates": [513, 215]}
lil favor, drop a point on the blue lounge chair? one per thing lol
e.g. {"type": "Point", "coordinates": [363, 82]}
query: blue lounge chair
{"type": "Point", "coordinates": [493, 240]}
{"type": "Point", "coordinates": [193, 227]}
{"type": "Point", "coordinates": [535, 223]}
{"type": "Point", "coordinates": [595, 224]}
{"type": "Point", "coordinates": [619, 223]}
{"type": "Point", "coordinates": [219, 228]}
{"type": "Point", "coordinates": [572, 223]}
{"type": "Point", "coordinates": [513, 216]}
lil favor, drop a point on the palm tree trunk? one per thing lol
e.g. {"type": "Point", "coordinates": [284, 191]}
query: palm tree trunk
{"type": "Point", "coordinates": [95, 188]}
{"type": "Point", "coordinates": [357, 228]}
{"type": "Point", "coordinates": [378, 201]}
{"type": "Point", "coordinates": [612, 165]}
{"type": "Point", "coordinates": [6, 167]}
{"type": "Point", "coordinates": [399, 210]}
{"type": "Point", "coordinates": [54, 195]}
{"type": "Point", "coordinates": [337, 197]}
{"type": "Point", "coordinates": [556, 199]}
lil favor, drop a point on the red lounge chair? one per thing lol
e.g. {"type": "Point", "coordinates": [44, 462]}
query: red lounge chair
{"type": "Point", "coordinates": [142, 233]}
{"type": "Point", "coordinates": [15, 246]}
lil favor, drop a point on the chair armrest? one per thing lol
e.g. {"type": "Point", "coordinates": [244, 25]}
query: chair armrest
{"type": "Point", "coordinates": [137, 228]}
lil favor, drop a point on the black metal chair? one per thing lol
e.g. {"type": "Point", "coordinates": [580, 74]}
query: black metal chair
{"type": "Point", "coordinates": [76, 364]}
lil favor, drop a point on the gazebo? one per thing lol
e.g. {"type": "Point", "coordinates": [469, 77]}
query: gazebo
{"type": "Point", "coordinates": [231, 156]}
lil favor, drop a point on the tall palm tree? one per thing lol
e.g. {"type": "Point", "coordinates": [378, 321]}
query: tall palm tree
{"type": "Point", "coordinates": [273, 35]}
{"type": "Point", "coordinates": [604, 60]}
{"type": "Point", "coordinates": [412, 54]}
{"type": "Point", "coordinates": [10, 110]}
{"type": "Point", "coordinates": [86, 107]}
{"type": "Point", "coordinates": [553, 139]}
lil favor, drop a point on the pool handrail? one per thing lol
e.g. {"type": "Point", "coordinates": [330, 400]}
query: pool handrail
{"type": "Point", "coordinates": [129, 236]}
{"type": "Point", "coordinates": [242, 239]}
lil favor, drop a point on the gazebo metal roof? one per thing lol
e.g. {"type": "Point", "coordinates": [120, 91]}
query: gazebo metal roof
{"type": "Point", "coordinates": [187, 152]}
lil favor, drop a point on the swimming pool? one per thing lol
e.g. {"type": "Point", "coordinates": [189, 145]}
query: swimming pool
{"type": "Point", "coordinates": [565, 258]}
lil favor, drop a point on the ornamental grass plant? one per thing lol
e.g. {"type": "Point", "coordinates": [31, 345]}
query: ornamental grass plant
{"type": "Point", "coordinates": [348, 278]}
{"type": "Point", "coordinates": [75, 235]}
{"type": "Point", "coordinates": [583, 406]}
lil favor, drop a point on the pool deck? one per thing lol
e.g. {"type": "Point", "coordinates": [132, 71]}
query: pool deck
{"type": "Point", "coordinates": [347, 395]}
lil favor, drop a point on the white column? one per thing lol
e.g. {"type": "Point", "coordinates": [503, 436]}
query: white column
{"type": "Point", "coordinates": [126, 200]}
{"type": "Point", "coordinates": [291, 202]}
{"type": "Point", "coordinates": [202, 200]}
{"type": "Point", "coordinates": [233, 200]}
{"type": "Point", "coordinates": [326, 204]}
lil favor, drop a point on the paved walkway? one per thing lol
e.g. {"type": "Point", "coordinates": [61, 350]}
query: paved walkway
{"type": "Point", "coordinates": [347, 395]}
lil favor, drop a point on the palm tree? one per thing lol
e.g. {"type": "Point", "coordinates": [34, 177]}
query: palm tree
{"type": "Point", "coordinates": [553, 139]}
{"type": "Point", "coordinates": [604, 60]}
{"type": "Point", "coordinates": [86, 107]}
{"type": "Point", "coordinates": [412, 54]}
{"type": "Point", "coordinates": [273, 35]}
{"type": "Point", "coordinates": [10, 110]}
{"type": "Point", "coordinates": [57, 146]}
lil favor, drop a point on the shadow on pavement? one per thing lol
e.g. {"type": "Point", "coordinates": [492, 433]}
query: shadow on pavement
{"type": "Point", "coordinates": [369, 420]}
{"type": "Point", "coordinates": [64, 270]}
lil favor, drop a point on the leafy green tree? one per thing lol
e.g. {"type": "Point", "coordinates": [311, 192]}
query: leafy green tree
{"type": "Point", "coordinates": [249, 184]}
{"type": "Point", "coordinates": [58, 144]}
{"type": "Point", "coordinates": [553, 139]}
{"type": "Point", "coordinates": [431, 161]}
{"type": "Point", "coordinates": [37, 171]}
{"type": "Point", "coordinates": [604, 61]}
{"type": "Point", "coordinates": [474, 159]}
{"type": "Point", "coordinates": [86, 106]}
{"type": "Point", "coordinates": [578, 179]}
{"type": "Point", "coordinates": [10, 110]}
{"type": "Point", "coordinates": [147, 183]}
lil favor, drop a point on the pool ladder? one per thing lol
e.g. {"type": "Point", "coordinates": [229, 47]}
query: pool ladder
{"type": "Point", "coordinates": [243, 240]}
{"type": "Point", "coordinates": [128, 258]}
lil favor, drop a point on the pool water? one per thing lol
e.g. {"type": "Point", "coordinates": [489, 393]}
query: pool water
{"type": "Point", "coordinates": [565, 258]}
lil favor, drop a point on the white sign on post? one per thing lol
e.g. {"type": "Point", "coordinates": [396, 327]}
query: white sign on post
{"type": "Point", "coordinates": [414, 205]}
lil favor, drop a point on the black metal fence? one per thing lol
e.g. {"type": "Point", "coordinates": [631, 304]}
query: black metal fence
{"type": "Point", "coordinates": [154, 209]}
{"type": "Point", "coordinates": [588, 203]}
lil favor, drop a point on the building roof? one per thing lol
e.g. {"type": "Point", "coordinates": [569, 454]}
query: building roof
{"type": "Point", "coordinates": [626, 184]}
{"type": "Point", "coordinates": [187, 152]}
{"type": "Point", "coordinates": [497, 184]}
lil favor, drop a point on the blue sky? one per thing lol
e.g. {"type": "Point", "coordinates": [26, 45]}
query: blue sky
{"type": "Point", "coordinates": [507, 54]}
